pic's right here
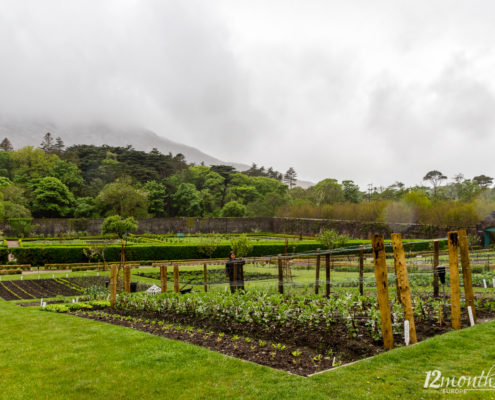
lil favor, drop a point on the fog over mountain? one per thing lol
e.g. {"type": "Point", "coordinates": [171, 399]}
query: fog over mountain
{"type": "Point", "coordinates": [24, 133]}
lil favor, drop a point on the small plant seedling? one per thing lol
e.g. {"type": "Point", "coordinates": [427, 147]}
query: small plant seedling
{"type": "Point", "coordinates": [236, 337]}
{"type": "Point", "coordinates": [262, 343]}
{"type": "Point", "coordinates": [247, 340]}
{"type": "Point", "coordinates": [317, 358]}
{"type": "Point", "coordinates": [279, 346]}
{"type": "Point", "coordinates": [296, 353]}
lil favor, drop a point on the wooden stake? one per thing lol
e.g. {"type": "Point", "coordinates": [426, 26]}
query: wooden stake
{"type": "Point", "coordinates": [455, 292]}
{"type": "Point", "coordinates": [403, 281]}
{"type": "Point", "coordinates": [176, 278]}
{"type": "Point", "coordinates": [361, 271]}
{"type": "Point", "coordinates": [327, 275]}
{"type": "Point", "coordinates": [466, 271]}
{"type": "Point", "coordinates": [163, 278]}
{"type": "Point", "coordinates": [113, 285]}
{"type": "Point", "coordinates": [127, 279]}
{"type": "Point", "coordinates": [280, 275]}
{"type": "Point", "coordinates": [205, 277]}
{"type": "Point", "coordinates": [317, 279]}
{"type": "Point", "coordinates": [398, 296]}
{"type": "Point", "coordinates": [436, 257]}
{"type": "Point", "coordinates": [382, 290]}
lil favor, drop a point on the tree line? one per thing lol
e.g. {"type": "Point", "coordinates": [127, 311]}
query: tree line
{"type": "Point", "coordinates": [86, 181]}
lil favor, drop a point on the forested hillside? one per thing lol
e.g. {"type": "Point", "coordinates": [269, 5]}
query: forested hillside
{"type": "Point", "coordinates": [86, 181]}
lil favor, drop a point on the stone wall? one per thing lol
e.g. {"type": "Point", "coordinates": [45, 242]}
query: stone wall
{"type": "Point", "coordinates": [304, 226]}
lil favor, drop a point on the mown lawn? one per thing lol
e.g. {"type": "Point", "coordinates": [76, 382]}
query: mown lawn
{"type": "Point", "coordinates": [57, 356]}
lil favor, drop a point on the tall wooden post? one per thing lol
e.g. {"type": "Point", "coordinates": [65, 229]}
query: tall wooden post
{"type": "Point", "coordinates": [127, 279]}
{"type": "Point", "coordinates": [455, 292]}
{"type": "Point", "coordinates": [403, 282]}
{"type": "Point", "coordinates": [113, 285]}
{"type": "Point", "coordinates": [361, 271]}
{"type": "Point", "coordinates": [205, 277]}
{"type": "Point", "coordinates": [436, 257]}
{"type": "Point", "coordinates": [398, 296]}
{"type": "Point", "coordinates": [327, 275]}
{"type": "Point", "coordinates": [280, 275]}
{"type": "Point", "coordinates": [317, 279]}
{"type": "Point", "coordinates": [176, 278]}
{"type": "Point", "coordinates": [466, 271]}
{"type": "Point", "coordinates": [163, 278]}
{"type": "Point", "coordinates": [382, 289]}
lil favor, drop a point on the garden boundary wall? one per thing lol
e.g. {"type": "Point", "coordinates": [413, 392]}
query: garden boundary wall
{"type": "Point", "coordinates": [297, 226]}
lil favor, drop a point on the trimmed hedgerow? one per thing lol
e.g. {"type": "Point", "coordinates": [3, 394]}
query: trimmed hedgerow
{"type": "Point", "coordinates": [137, 252]}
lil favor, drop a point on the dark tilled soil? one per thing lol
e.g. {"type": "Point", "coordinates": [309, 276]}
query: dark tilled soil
{"type": "Point", "coordinates": [313, 342]}
{"type": "Point", "coordinates": [35, 289]}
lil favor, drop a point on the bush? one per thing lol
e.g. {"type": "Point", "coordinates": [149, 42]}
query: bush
{"type": "Point", "coordinates": [10, 271]}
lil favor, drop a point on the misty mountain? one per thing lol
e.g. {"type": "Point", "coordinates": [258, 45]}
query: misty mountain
{"type": "Point", "coordinates": [31, 134]}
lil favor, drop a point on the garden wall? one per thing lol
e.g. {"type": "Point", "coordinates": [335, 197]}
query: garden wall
{"type": "Point", "coordinates": [304, 226]}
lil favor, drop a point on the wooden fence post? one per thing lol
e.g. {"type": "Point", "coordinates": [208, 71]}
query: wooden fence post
{"type": "Point", "coordinates": [280, 275]}
{"type": "Point", "coordinates": [361, 270]}
{"type": "Point", "coordinates": [127, 279]}
{"type": "Point", "coordinates": [327, 275]}
{"type": "Point", "coordinates": [317, 279]}
{"type": "Point", "coordinates": [455, 292]}
{"type": "Point", "coordinates": [403, 281]}
{"type": "Point", "coordinates": [113, 285]}
{"type": "Point", "coordinates": [466, 271]}
{"type": "Point", "coordinates": [382, 290]}
{"type": "Point", "coordinates": [176, 278]}
{"type": "Point", "coordinates": [163, 278]}
{"type": "Point", "coordinates": [205, 277]}
{"type": "Point", "coordinates": [436, 257]}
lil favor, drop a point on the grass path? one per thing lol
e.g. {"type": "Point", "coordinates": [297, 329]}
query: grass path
{"type": "Point", "coordinates": [57, 356]}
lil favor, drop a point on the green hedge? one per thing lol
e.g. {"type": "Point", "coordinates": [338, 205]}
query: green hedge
{"type": "Point", "coordinates": [144, 251]}
{"type": "Point", "coordinates": [4, 254]}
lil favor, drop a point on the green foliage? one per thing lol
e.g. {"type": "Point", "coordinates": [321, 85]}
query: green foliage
{"type": "Point", "coordinates": [331, 239]}
{"type": "Point", "coordinates": [233, 209]}
{"type": "Point", "coordinates": [156, 198]}
{"type": "Point", "coordinates": [208, 244]}
{"type": "Point", "coordinates": [187, 200]}
{"type": "Point", "coordinates": [122, 198]}
{"type": "Point", "coordinates": [21, 227]}
{"type": "Point", "coordinates": [118, 225]}
{"type": "Point", "coordinates": [241, 245]}
{"type": "Point", "coordinates": [52, 199]}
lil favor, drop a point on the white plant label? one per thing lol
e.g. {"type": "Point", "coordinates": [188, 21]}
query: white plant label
{"type": "Point", "coordinates": [97, 274]}
{"type": "Point", "coordinates": [406, 332]}
{"type": "Point", "coordinates": [484, 283]}
{"type": "Point", "coordinates": [493, 282]}
{"type": "Point", "coordinates": [21, 277]}
{"type": "Point", "coordinates": [53, 276]}
{"type": "Point", "coordinates": [41, 302]}
{"type": "Point", "coordinates": [66, 275]}
{"type": "Point", "coordinates": [470, 312]}
{"type": "Point", "coordinates": [73, 300]}
{"type": "Point", "coordinates": [44, 304]}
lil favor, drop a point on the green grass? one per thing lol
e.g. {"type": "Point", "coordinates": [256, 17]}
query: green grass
{"type": "Point", "coordinates": [56, 356]}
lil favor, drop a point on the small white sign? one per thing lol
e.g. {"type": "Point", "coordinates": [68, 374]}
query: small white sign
{"type": "Point", "coordinates": [43, 304]}
{"type": "Point", "coordinates": [493, 281]}
{"type": "Point", "coordinates": [484, 283]}
{"type": "Point", "coordinates": [97, 274]}
{"type": "Point", "coordinates": [21, 277]}
{"type": "Point", "coordinates": [470, 312]}
{"type": "Point", "coordinates": [73, 300]}
{"type": "Point", "coordinates": [66, 275]}
{"type": "Point", "coordinates": [153, 290]}
{"type": "Point", "coordinates": [53, 276]}
{"type": "Point", "coordinates": [406, 332]}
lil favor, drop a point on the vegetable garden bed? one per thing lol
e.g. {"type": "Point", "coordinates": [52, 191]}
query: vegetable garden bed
{"type": "Point", "coordinates": [299, 334]}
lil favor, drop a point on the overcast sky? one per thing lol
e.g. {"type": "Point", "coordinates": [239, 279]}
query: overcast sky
{"type": "Point", "coordinates": [374, 91]}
